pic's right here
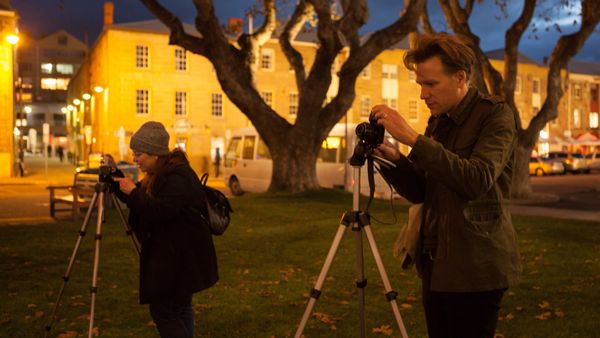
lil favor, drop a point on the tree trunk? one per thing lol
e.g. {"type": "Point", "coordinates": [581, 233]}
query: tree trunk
{"type": "Point", "coordinates": [294, 168]}
{"type": "Point", "coordinates": [521, 182]}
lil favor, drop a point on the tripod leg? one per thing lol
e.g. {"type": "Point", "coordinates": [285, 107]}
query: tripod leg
{"type": "Point", "coordinates": [316, 291]}
{"type": "Point", "coordinates": [361, 282]}
{"type": "Point", "coordinates": [82, 231]}
{"type": "Point", "coordinates": [98, 237]}
{"type": "Point", "coordinates": [128, 230]}
{"type": "Point", "coordinates": [389, 293]}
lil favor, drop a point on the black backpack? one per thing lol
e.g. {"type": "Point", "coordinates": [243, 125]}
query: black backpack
{"type": "Point", "coordinates": [217, 206]}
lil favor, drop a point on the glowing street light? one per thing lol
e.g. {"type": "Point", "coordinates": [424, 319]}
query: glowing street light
{"type": "Point", "coordinates": [77, 102]}
{"type": "Point", "coordinates": [63, 110]}
{"type": "Point", "coordinates": [70, 107]}
{"type": "Point", "coordinates": [13, 39]}
{"type": "Point", "coordinates": [27, 109]}
{"type": "Point", "coordinates": [86, 96]}
{"type": "Point", "coordinates": [98, 89]}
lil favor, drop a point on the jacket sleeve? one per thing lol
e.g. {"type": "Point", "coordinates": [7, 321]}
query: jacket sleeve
{"type": "Point", "coordinates": [406, 180]}
{"type": "Point", "coordinates": [473, 176]}
{"type": "Point", "coordinates": [168, 204]}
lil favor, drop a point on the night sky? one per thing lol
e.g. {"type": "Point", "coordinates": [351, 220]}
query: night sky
{"type": "Point", "coordinates": [84, 17]}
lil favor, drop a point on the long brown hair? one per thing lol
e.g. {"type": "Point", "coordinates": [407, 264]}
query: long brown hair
{"type": "Point", "coordinates": [164, 163]}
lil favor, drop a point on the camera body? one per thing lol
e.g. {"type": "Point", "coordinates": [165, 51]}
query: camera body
{"type": "Point", "coordinates": [105, 174]}
{"type": "Point", "coordinates": [370, 133]}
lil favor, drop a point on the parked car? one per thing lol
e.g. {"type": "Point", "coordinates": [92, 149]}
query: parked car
{"type": "Point", "coordinates": [573, 162]}
{"type": "Point", "coordinates": [593, 160]}
{"type": "Point", "coordinates": [539, 166]}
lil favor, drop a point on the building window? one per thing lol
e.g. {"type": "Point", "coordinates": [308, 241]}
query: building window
{"type": "Point", "coordinates": [536, 86]}
{"type": "Point", "coordinates": [576, 118]}
{"type": "Point", "coordinates": [25, 66]}
{"type": "Point", "coordinates": [293, 104]}
{"type": "Point", "coordinates": [180, 59]}
{"type": "Point", "coordinates": [413, 110]}
{"type": "Point", "coordinates": [217, 105]}
{"type": "Point", "coordinates": [62, 40]}
{"type": "Point", "coordinates": [46, 68]}
{"type": "Point", "coordinates": [141, 101]}
{"type": "Point", "coordinates": [366, 72]}
{"type": "Point", "coordinates": [518, 85]}
{"type": "Point", "coordinates": [594, 120]}
{"type": "Point", "coordinates": [412, 77]}
{"type": "Point", "coordinates": [64, 68]}
{"type": "Point", "coordinates": [389, 71]}
{"type": "Point", "coordinates": [141, 56]}
{"type": "Point", "coordinates": [267, 58]}
{"type": "Point", "coordinates": [180, 103]}
{"type": "Point", "coordinates": [268, 98]}
{"type": "Point", "coordinates": [577, 91]}
{"type": "Point", "coordinates": [48, 83]}
{"type": "Point", "coordinates": [392, 103]}
{"type": "Point", "coordinates": [365, 106]}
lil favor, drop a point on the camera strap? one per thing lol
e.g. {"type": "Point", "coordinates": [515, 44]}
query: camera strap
{"type": "Point", "coordinates": [371, 178]}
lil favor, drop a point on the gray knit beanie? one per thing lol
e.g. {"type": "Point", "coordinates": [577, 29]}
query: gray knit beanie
{"type": "Point", "coordinates": [152, 138]}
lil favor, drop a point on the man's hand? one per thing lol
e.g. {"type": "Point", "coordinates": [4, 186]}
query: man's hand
{"type": "Point", "coordinates": [395, 124]}
{"type": "Point", "coordinates": [126, 185]}
{"type": "Point", "coordinates": [388, 151]}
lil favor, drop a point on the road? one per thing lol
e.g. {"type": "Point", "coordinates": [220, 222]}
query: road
{"type": "Point", "coordinates": [576, 192]}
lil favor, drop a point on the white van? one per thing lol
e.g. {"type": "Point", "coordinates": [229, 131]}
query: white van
{"type": "Point", "coordinates": [248, 164]}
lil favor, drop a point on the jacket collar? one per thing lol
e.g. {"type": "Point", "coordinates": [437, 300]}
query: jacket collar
{"type": "Point", "coordinates": [459, 113]}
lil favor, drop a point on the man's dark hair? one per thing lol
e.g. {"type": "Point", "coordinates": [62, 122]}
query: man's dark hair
{"type": "Point", "coordinates": [453, 53]}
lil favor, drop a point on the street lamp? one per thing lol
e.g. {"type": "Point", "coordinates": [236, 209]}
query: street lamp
{"type": "Point", "coordinates": [13, 39]}
{"type": "Point", "coordinates": [86, 96]}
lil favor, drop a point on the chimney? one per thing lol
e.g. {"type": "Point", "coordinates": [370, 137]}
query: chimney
{"type": "Point", "coordinates": [108, 13]}
{"type": "Point", "coordinates": [234, 25]}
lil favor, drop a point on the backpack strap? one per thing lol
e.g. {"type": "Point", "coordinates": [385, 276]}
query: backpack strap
{"type": "Point", "coordinates": [204, 179]}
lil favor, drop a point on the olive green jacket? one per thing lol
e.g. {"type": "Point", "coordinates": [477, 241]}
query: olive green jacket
{"type": "Point", "coordinates": [463, 181]}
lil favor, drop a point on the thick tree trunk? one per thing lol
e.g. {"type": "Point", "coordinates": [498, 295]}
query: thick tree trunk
{"type": "Point", "coordinates": [521, 182]}
{"type": "Point", "coordinates": [294, 168]}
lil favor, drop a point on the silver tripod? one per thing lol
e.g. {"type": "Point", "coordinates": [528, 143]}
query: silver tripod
{"type": "Point", "coordinates": [101, 190]}
{"type": "Point", "coordinates": [359, 221]}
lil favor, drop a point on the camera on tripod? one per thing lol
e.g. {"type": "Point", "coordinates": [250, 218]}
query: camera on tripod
{"type": "Point", "coordinates": [106, 173]}
{"type": "Point", "coordinates": [370, 133]}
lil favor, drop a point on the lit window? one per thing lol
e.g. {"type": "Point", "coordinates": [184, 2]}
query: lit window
{"type": "Point", "coordinates": [262, 151]}
{"type": "Point", "coordinates": [366, 72]}
{"type": "Point", "coordinates": [141, 56]}
{"type": "Point", "coordinates": [392, 103]}
{"type": "Point", "coordinates": [48, 83]}
{"type": "Point", "coordinates": [268, 98]}
{"type": "Point", "coordinates": [594, 120]}
{"type": "Point", "coordinates": [389, 71]}
{"type": "Point", "coordinates": [267, 59]}
{"type": "Point", "coordinates": [365, 106]}
{"type": "Point", "coordinates": [518, 85]}
{"type": "Point", "coordinates": [413, 111]}
{"type": "Point", "coordinates": [293, 104]}
{"type": "Point", "coordinates": [64, 68]}
{"type": "Point", "coordinates": [141, 101]}
{"type": "Point", "coordinates": [180, 59]}
{"type": "Point", "coordinates": [180, 103]}
{"type": "Point", "coordinates": [62, 84]}
{"type": "Point", "coordinates": [217, 105]}
{"type": "Point", "coordinates": [536, 86]}
{"type": "Point", "coordinates": [46, 68]}
{"type": "Point", "coordinates": [576, 118]}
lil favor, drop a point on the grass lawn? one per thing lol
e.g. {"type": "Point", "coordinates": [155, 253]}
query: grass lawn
{"type": "Point", "coordinates": [269, 260]}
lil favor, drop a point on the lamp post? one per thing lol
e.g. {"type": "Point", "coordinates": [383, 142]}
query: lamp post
{"type": "Point", "coordinates": [13, 40]}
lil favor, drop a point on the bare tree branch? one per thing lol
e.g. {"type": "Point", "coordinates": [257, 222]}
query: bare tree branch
{"type": "Point", "coordinates": [426, 22]}
{"type": "Point", "coordinates": [178, 36]}
{"type": "Point", "coordinates": [566, 47]}
{"type": "Point", "coordinates": [290, 31]}
{"type": "Point", "coordinates": [250, 43]}
{"type": "Point", "coordinates": [511, 44]}
{"type": "Point", "coordinates": [355, 16]}
{"type": "Point", "coordinates": [468, 7]}
{"type": "Point", "coordinates": [458, 20]}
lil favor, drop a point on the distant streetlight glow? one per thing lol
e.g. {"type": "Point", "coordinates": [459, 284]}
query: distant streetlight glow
{"type": "Point", "coordinates": [98, 89]}
{"type": "Point", "coordinates": [63, 110]}
{"type": "Point", "coordinates": [543, 134]}
{"type": "Point", "coordinates": [70, 107]}
{"type": "Point", "coordinates": [13, 39]}
{"type": "Point", "coordinates": [77, 102]}
{"type": "Point", "coordinates": [86, 96]}
{"type": "Point", "coordinates": [27, 109]}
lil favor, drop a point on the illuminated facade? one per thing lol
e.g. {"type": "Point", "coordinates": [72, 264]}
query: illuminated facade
{"type": "Point", "coordinates": [8, 30]}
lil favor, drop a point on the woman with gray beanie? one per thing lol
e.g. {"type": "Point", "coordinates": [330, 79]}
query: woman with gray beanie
{"type": "Point", "coordinates": [178, 255]}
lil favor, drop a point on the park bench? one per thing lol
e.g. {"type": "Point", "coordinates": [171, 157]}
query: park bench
{"type": "Point", "coordinates": [76, 197]}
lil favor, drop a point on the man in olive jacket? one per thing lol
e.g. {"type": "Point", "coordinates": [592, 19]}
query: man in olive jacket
{"type": "Point", "coordinates": [461, 171]}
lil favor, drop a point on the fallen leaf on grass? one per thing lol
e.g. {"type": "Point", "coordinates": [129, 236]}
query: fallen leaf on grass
{"type": "Point", "coordinates": [406, 306]}
{"type": "Point", "coordinates": [38, 314]}
{"type": "Point", "coordinates": [385, 330]}
{"type": "Point", "coordinates": [411, 298]}
{"type": "Point", "coordinates": [544, 305]}
{"type": "Point", "coordinates": [509, 316]}
{"type": "Point", "coordinates": [68, 334]}
{"type": "Point", "coordinates": [325, 318]}
{"type": "Point", "coordinates": [559, 313]}
{"type": "Point", "coordinates": [151, 324]}
{"type": "Point", "coordinates": [31, 306]}
{"type": "Point", "coordinates": [543, 316]}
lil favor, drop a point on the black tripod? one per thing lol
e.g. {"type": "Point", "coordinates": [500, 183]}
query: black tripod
{"type": "Point", "coordinates": [360, 221]}
{"type": "Point", "coordinates": [101, 190]}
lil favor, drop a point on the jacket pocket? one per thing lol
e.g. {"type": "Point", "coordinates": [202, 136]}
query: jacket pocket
{"type": "Point", "coordinates": [483, 216]}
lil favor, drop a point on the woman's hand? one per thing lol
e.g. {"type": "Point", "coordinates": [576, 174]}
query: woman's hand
{"type": "Point", "coordinates": [126, 185]}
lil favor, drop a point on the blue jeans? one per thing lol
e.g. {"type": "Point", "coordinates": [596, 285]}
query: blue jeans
{"type": "Point", "coordinates": [174, 318]}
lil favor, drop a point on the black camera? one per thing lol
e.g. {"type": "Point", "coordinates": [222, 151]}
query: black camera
{"type": "Point", "coordinates": [106, 173]}
{"type": "Point", "coordinates": [371, 133]}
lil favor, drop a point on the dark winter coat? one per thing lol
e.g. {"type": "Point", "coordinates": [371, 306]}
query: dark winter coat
{"type": "Point", "coordinates": [461, 171]}
{"type": "Point", "coordinates": [177, 251]}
